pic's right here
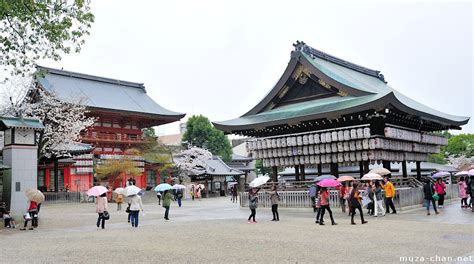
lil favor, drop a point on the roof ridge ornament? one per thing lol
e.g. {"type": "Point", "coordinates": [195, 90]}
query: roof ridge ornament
{"type": "Point", "coordinates": [312, 52]}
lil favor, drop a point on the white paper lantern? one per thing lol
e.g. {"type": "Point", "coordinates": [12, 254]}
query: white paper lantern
{"type": "Point", "coordinates": [347, 135]}
{"type": "Point", "coordinates": [305, 140]}
{"type": "Point", "coordinates": [334, 136]}
{"type": "Point", "coordinates": [305, 150]}
{"type": "Point", "coordinates": [360, 133]}
{"type": "Point", "coordinates": [310, 150]}
{"type": "Point", "coordinates": [340, 157]}
{"type": "Point", "coordinates": [317, 159]}
{"type": "Point", "coordinates": [328, 148]}
{"type": "Point", "coordinates": [346, 157]}
{"type": "Point", "coordinates": [366, 132]}
{"type": "Point", "coordinates": [353, 134]}
{"type": "Point", "coordinates": [328, 137]}
{"type": "Point", "coordinates": [306, 160]}
{"type": "Point", "coordinates": [311, 139]}
{"type": "Point", "coordinates": [316, 149]}
{"type": "Point", "coordinates": [316, 139]}
{"type": "Point", "coordinates": [299, 140]}
{"type": "Point", "coordinates": [352, 145]}
{"type": "Point", "coordinates": [340, 135]}
{"type": "Point", "coordinates": [334, 147]}
{"type": "Point", "coordinates": [340, 147]}
{"type": "Point", "coordinates": [322, 148]}
{"type": "Point", "coordinates": [365, 143]}
{"type": "Point", "coordinates": [345, 146]}
{"type": "Point", "coordinates": [358, 156]}
{"type": "Point", "coordinates": [352, 156]}
{"type": "Point", "coordinates": [323, 138]}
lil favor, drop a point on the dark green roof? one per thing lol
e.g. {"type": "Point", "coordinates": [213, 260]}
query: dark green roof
{"type": "Point", "coordinates": [362, 89]}
{"type": "Point", "coordinates": [17, 122]}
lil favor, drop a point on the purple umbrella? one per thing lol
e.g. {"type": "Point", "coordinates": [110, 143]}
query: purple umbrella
{"type": "Point", "coordinates": [328, 183]}
{"type": "Point", "coordinates": [440, 174]}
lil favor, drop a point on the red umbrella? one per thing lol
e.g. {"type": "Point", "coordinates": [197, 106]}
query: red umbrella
{"type": "Point", "coordinates": [329, 183]}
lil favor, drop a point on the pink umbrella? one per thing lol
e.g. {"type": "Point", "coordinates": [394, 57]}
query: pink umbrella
{"type": "Point", "coordinates": [328, 183]}
{"type": "Point", "coordinates": [97, 190]}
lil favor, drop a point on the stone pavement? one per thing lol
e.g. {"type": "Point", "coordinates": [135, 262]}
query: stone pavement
{"type": "Point", "coordinates": [216, 231]}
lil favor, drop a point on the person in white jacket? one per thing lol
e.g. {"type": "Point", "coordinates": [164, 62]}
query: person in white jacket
{"type": "Point", "coordinates": [136, 206]}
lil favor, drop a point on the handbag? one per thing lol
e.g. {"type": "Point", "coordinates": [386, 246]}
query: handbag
{"type": "Point", "coordinates": [106, 215]}
{"type": "Point", "coordinates": [435, 197]}
{"type": "Point", "coordinates": [27, 216]}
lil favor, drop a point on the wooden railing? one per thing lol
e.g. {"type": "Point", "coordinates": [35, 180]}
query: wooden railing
{"type": "Point", "coordinates": [398, 182]}
{"type": "Point", "coordinates": [405, 198]}
{"type": "Point", "coordinates": [110, 138]}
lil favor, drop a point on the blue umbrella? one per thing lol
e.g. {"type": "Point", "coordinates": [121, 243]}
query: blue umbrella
{"type": "Point", "coordinates": [323, 177]}
{"type": "Point", "coordinates": [163, 187]}
{"type": "Point", "coordinates": [440, 174]}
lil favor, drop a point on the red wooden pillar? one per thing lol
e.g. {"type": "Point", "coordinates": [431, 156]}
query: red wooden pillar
{"type": "Point", "coordinates": [67, 174]}
{"type": "Point", "coordinates": [47, 176]}
{"type": "Point", "coordinates": [157, 177]}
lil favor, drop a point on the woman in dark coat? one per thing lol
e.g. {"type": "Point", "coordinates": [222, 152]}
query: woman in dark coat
{"type": "Point", "coordinates": [428, 189]}
{"type": "Point", "coordinates": [253, 204]}
{"type": "Point", "coordinates": [355, 202]}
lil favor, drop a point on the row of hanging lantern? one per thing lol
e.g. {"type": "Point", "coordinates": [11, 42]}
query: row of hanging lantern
{"type": "Point", "coordinates": [351, 146]}
{"type": "Point", "coordinates": [401, 134]}
{"type": "Point", "coordinates": [309, 139]}
{"type": "Point", "coordinates": [371, 155]}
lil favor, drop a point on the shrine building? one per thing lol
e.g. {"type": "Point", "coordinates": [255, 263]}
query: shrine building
{"type": "Point", "coordinates": [325, 111]}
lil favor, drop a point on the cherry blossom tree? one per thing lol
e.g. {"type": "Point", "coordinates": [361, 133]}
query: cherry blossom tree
{"type": "Point", "coordinates": [63, 121]}
{"type": "Point", "coordinates": [193, 160]}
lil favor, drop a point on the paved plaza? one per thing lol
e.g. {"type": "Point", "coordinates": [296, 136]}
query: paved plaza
{"type": "Point", "coordinates": [216, 231]}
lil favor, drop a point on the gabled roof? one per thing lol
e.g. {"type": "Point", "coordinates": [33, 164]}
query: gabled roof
{"type": "Point", "coordinates": [103, 93]}
{"type": "Point", "coordinates": [19, 122]}
{"type": "Point", "coordinates": [216, 166]}
{"type": "Point", "coordinates": [354, 89]}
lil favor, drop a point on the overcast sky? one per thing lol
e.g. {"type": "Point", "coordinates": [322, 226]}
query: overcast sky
{"type": "Point", "coordinates": [220, 58]}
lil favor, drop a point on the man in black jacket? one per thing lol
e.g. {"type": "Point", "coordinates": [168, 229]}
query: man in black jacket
{"type": "Point", "coordinates": [428, 189]}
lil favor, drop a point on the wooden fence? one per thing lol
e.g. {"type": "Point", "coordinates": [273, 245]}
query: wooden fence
{"type": "Point", "coordinates": [405, 198]}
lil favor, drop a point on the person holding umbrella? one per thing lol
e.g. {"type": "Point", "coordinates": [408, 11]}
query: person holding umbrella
{"type": "Point", "coordinates": [119, 201]}
{"type": "Point", "coordinates": [101, 208]}
{"type": "Point", "coordinates": [440, 188]}
{"type": "Point", "coordinates": [31, 215]}
{"type": "Point", "coordinates": [136, 206]}
{"type": "Point", "coordinates": [463, 192]}
{"type": "Point", "coordinates": [325, 206]}
{"type": "Point", "coordinates": [355, 200]}
{"type": "Point", "coordinates": [253, 204]}
{"type": "Point", "coordinates": [429, 191]}
{"type": "Point", "coordinates": [312, 192]}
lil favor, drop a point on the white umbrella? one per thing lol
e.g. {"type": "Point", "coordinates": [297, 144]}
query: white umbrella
{"type": "Point", "coordinates": [178, 187]}
{"type": "Point", "coordinates": [259, 181]}
{"type": "Point", "coordinates": [131, 190]}
{"type": "Point", "coordinates": [118, 190]}
{"type": "Point", "coordinates": [34, 195]}
{"type": "Point", "coordinates": [371, 176]}
{"type": "Point", "coordinates": [462, 173]}
{"type": "Point", "coordinates": [380, 171]}
{"type": "Point", "coordinates": [163, 187]}
{"type": "Point", "coordinates": [97, 190]}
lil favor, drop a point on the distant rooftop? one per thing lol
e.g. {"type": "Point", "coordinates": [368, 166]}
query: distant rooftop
{"type": "Point", "coordinates": [103, 93]}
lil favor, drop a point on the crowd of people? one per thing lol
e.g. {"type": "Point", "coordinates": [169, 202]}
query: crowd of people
{"type": "Point", "coordinates": [376, 196]}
